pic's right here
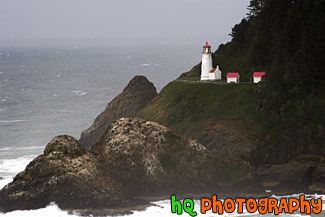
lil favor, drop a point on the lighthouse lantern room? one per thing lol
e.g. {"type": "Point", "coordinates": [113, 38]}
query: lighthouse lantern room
{"type": "Point", "coordinates": [208, 73]}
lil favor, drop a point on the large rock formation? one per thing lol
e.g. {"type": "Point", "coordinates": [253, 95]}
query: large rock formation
{"type": "Point", "coordinates": [134, 158]}
{"type": "Point", "coordinates": [138, 93]}
{"type": "Point", "coordinates": [150, 159]}
{"type": "Point", "coordinates": [65, 174]}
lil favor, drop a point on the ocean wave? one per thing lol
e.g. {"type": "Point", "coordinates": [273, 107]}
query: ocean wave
{"type": "Point", "coordinates": [81, 94]}
{"type": "Point", "coordinates": [21, 148]}
{"type": "Point", "coordinates": [51, 210]}
{"type": "Point", "coordinates": [4, 182]}
{"type": "Point", "coordinates": [11, 167]}
{"type": "Point", "coordinates": [146, 64]}
{"type": "Point", "coordinates": [11, 121]}
{"type": "Point", "coordinates": [78, 92]}
{"type": "Point", "coordinates": [161, 209]}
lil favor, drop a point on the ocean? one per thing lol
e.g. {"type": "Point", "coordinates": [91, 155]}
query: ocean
{"type": "Point", "coordinates": [45, 92]}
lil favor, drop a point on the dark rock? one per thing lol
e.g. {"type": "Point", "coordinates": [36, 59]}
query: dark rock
{"type": "Point", "coordinates": [150, 159]}
{"type": "Point", "coordinates": [294, 176]}
{"type": "Point", "coordinates": [318, 179]}
{"type": "Point", "coordinates": [65, 174]}
{"type": "Point", "coordinates": [138, 93]}
{"type": "Point", "coordinates": [227, 137]}
{"type": "Point", "coordinates": [299, 141]}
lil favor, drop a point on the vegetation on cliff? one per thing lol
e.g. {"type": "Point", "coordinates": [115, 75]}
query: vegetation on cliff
{"type": "Point", "coordinates": [283, 116]}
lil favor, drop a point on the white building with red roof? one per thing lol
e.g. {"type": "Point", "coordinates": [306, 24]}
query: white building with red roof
{"type": "Point", "coordinates": [233, 77]}
{"type": "Point", "coordinates": [215, 74]}
{"type": "Point", "coordinates": [208, 73]}
{"type": "Point", "coordinates": [257, 76]}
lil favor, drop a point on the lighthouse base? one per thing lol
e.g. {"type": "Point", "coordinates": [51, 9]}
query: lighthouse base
{"type": "Point", "coordinates": [205, 78]}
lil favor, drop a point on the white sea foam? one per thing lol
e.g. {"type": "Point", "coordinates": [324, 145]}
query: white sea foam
{"type": "Point", "coordinates": [11, 121]}
{"type": "Point", "coordinates": [10, 167]}
{"type": "Point", "coordinates": [81, 94]}
{"type": "Point", "coordinates": [51, 210]}
{"type": "Point", "coordinates": [21, 148]}
{"type": "Point", "coordinates": [146, 64]}
{"type": "Point", "coordinates": [4, 182]}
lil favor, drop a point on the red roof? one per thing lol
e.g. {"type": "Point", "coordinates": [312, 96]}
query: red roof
{"type": "Point", "coordinates": [213, 70]}
{"type": "Point", "coordinates": [258, 74]}
{"type": "Point", "coordinates": [207, 45]}
{"type": "Point", "coordinates": [233, 75]}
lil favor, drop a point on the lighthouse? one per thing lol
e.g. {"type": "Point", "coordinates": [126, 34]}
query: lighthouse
{"type": "Point", "coordinates": [207, 65]}
{"type": "Point", "coordinates": [208, 73]}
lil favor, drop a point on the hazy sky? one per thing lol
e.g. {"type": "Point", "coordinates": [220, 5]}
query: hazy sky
{"type": "Point", "coordinates": [24, 22]}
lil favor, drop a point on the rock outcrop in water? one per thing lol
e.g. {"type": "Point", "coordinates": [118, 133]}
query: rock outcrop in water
{"type": "Point", "coordinates": [138, 93]}
{"type": "Point", "coordinates": [134, 158]}
{"type": "Point", "coordinates": [65, 174]}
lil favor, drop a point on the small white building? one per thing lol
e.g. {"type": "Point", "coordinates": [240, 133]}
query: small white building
{"type": "Point", "coordinates": [208, 73]}
{"type": "Point", "coordinates": [257, 76]}
{"type": "Point", "coordinates": [215, 74]}
{"type": "Point", "coordinates": [233, 77]}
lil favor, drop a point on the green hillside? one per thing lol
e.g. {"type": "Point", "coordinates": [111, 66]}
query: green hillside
{"type": "Point", "coordinates": [184, 106]}
{"type": "Point", "coordinates": [274, 121]}
{"type": "Point", "coordinates": [229, 116]}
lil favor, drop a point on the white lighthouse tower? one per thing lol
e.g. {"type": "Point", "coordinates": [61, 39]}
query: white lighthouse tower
{"type": "Point", "coordinates": [207, 65]}
{"type": "Point", "coordinates": [208, 73]}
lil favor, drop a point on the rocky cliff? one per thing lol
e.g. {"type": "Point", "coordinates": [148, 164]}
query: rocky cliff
{"type": "Point", "coordinates": [65, 174]}
{"type": "Point", "coordinates": [219, 116]}
{"type": "Point", "coordinates": [150, 159]}
{"type": "Point", "coordinates": [133, 158]}
{"type": "Point", "coordinates": [134, 97]}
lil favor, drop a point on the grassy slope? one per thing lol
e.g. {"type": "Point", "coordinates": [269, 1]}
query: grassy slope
{"type": "Point", "coordinates": [187, 108]}
{"type": "Point", "coordinates": [184, 106]}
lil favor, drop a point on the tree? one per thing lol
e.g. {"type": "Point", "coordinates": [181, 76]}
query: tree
{"type": "Point", "coordinates": [255, 7]}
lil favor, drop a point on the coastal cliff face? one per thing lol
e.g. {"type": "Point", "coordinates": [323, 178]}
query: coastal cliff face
{"type": "Point", "coordinates": [150, 159]}
{"type": "Point", "coordinates": [219, 116]}
{"type": "Point", "coordinates": [134, 158]}
{"type": "Point", "coordinates": [226, 120]}
{"type": "Point", "coordinates": [65, 174]}
{"type": "Point", "coordinates": [134, 97]}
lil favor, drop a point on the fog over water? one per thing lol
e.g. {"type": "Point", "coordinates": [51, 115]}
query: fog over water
{"type": "Point", "coordinates": [106, 22]}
